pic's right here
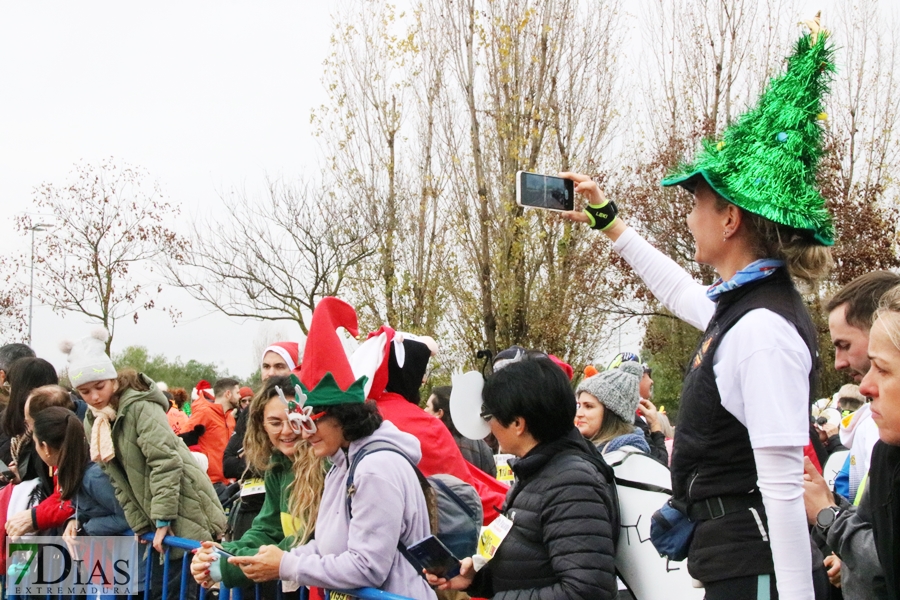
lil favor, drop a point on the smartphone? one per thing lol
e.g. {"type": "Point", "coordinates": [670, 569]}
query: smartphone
{"type": "Point", "coordinates": [224, 554]}
{"type": "Point", "coordinates": [435, 557]}
{"type": "Point", "coordinates": [544, 191]}
{"type": "Point", "coordinates": [5, 472]}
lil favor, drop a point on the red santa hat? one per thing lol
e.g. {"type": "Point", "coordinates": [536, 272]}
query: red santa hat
{"type": "Point", "coordinates": [289, 351]}
{"type": "Point", "coordinates": [203, 389]}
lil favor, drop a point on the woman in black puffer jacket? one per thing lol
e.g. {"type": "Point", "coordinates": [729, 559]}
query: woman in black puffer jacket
{"type": "Point", "coordinates": [561, 544]}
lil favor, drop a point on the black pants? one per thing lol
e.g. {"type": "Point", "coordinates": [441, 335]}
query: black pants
{"type": "Point", "coordinates": [742, 588]}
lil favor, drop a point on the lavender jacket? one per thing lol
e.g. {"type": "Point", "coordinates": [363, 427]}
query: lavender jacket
{"type": "Point", "coordinates": [388, 506]}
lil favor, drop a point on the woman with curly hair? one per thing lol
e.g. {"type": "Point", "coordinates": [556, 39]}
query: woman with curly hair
{"type": "Point", "coordinates": [361, 529]}
{"type": "Point", "coordinates": [294, 478]}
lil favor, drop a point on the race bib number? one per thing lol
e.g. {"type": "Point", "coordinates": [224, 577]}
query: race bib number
{"type": "Point", "coordinates": [253, 486]}
{"type": "Point", "coordinates": [492, 536]}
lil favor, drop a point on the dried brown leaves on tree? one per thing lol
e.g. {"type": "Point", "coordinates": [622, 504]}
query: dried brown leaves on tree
{"type": "Point", "coordinates": [111, 224]}
{"type": "Point", "coordinates": [431, 116]}
{"type": "Point", "coordinates": [705, 63]}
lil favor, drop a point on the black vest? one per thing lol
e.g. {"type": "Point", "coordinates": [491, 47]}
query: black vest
{"type": "Point", "coordinates": [712, 454]}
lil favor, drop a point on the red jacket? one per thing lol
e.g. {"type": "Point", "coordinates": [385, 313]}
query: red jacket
{"type": "Point", "coordinates": [440, 454]}
{"type": "Point", "coordinates": [219, 427]}
{"type": "Point", "coordinates": [53, 511]}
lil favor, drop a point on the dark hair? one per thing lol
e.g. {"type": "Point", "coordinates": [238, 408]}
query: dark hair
{"type": "Point", "coordinates": [62, 430]}
{"type": "Point", "coordinates": [10, 353]}
{"type": "Point", "coordinates": [179, 397]}
{"type": "Point", "coordinates": [223, 385]}
{"type": "Point", "coordinates": [357, 420]}
{"type": "Point", "coordinates": [536, 390]}
{"type": "Point", "coordinates": [861, 297]}
{"type": "Point", "coordinates": [442, 402]}
{"type": "Point", "coordinates": [24, 375]}
{"type": "Point", "coordinates": [48, 396]}
{"type": "Point", "coordinates": [849, 403]}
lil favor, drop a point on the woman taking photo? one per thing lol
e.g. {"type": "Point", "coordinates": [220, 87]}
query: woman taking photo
{"type": "Point", "coordinates": [355, 545]}
{"type": "Point", "coordinates": [561, 541]}
{"type": "Point", "coordinates": [606, 404]}
{"type": "Point", "coordinates": [294, 478]}
{"type": "Point", "coordinates": [758, 221]}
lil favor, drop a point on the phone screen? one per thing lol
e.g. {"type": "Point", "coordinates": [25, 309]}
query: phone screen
{"type": "Point", "coordinates": [435, 557]}
{"type": "Point", "coordinates": [544, 191]}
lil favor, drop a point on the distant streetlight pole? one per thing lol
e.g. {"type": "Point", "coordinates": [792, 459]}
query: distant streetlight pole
{"type": "Point", "coordinates": [33, 228]}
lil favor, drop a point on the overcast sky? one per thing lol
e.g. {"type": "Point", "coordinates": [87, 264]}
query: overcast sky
{"type": "Point", "coordinates": [206, 96]}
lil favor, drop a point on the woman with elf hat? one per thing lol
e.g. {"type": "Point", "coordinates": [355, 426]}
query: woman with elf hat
{"type": "Point", "coordinates": [759, 221]}
{"type": "Point", "coordinates": [357, 543]}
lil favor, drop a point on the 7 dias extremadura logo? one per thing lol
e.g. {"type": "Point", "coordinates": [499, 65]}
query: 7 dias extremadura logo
{"type": "Point", "coordinates": [87, 566]}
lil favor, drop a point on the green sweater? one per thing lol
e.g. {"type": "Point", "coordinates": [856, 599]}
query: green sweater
{"type": "Point", "coordinates": [268, 526]}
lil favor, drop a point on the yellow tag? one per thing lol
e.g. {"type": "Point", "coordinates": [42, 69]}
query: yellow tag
{"type": "Point", "coordinates": [338, 596]}
{"type": "Point", "coordinates": [504, 471]}
{"type": "Point", "coordinates": [253, 486]}
{"type": "Point", "coordinates": [492, 536]}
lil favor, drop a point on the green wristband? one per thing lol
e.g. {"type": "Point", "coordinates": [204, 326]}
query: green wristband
{"type": "Point", "coordinates": [601, 216]}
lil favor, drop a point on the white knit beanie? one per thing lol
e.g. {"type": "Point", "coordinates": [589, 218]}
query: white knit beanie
{"type": "Point", "coordinates": [88, 360]}
{"type": "Point", "coordinates": [617, 389]}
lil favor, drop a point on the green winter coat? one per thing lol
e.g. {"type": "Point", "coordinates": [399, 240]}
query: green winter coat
{"type": "Point", "coordinates": [153, 472]}
{"type": "Point", "coordinates": [268, 526]}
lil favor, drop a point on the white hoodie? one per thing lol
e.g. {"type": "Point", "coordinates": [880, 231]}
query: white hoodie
{"type": "Point", "coordinates": [859, 433]}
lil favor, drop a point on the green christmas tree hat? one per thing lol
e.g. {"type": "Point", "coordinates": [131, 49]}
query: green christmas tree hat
{"type": "Point", "coordinates": [326, 377]}
{"type": "Point", "coordinates": [766, 161]}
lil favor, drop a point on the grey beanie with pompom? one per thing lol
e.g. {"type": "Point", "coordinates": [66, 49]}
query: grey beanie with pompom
{"type": "Point", "coordinates": [617, 389]}
{"type": "Point", "coordinates": [88, 361]}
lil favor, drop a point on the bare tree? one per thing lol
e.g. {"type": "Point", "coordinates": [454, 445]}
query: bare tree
{"type": "Point", "coordinates": [273, 259]}
{"type": "Point", "coordinates": [858, 175]}
{"type": "Point", "coordinates": [528, 86]}
{"type": "Point", "coordinates": [110, 228]}
{"type": "Point", "coordinates": [13, 325]}
{"type": "Point", "coordinates": [379, 133]}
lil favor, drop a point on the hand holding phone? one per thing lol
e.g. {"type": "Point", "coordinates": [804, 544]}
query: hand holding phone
{"type": "Point", "coordinates": [544, 191]}
{"type": "Point", "coordinates": [435, 558]}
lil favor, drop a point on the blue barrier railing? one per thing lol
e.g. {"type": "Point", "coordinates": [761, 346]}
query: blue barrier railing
{"type": "Point", "coordinates": [171, 541]}
{"type": "Point", "coordinates": [186, 579]}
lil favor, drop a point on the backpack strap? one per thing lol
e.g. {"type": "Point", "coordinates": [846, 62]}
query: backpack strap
{"type": "Point", "coordinates": [382, 446]}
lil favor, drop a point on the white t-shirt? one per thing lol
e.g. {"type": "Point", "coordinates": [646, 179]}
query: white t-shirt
{"type": "Point", "coordinates": [762, 372]}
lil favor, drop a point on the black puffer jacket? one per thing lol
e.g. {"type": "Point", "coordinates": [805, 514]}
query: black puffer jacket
{"type": "Point", "coordinates": [561, 542]}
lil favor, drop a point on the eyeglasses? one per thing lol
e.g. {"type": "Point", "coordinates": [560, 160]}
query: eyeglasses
{"type": "Point", "coordinates": [486, 416]}
{"type": "Point", "coordinates": [298, 422]}
{"type": "Point", "coordinates": [304, 421]}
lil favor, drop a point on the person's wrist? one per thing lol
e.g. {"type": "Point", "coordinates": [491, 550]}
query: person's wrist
{"type": "Point", "coordinates": [601, 216]}
{"type": "Point", "coordinates": [826, 517]}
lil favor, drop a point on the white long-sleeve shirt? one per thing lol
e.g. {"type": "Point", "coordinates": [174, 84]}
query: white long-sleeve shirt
{"type": "Point", "coordinates": [761, 368]}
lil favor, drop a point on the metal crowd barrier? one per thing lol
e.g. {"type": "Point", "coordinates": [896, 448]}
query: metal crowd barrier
{"type": "Point", "coordinates": [171, 541]}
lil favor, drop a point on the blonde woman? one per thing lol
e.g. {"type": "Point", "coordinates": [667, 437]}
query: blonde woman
{"type": "Point", "coordinates": [294, 479]}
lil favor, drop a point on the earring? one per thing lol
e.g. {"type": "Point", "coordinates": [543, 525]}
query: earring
{"type": "Point", "coordinates": [724, 236]}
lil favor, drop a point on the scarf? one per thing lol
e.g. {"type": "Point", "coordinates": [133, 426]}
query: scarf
{"type": "Point", "coordinates": [102, 448]}
{"type": "Point", "coordinates": [756, 270]}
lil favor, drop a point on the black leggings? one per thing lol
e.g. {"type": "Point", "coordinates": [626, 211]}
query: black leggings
{"type": "Point", "coordinates": [743, 588]}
